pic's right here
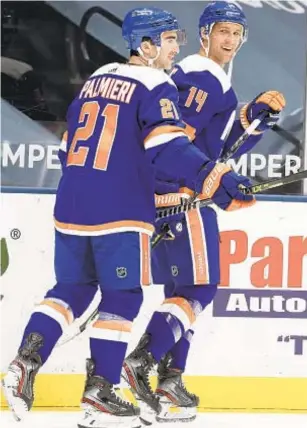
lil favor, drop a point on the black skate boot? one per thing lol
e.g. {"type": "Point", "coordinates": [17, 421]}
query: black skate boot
{"type": "Point", "coordinates": [174, 395]}
{"type": "Point", "coordinates": [103, 408]}
{"type": "Point", "coordinates": [19, 380]}
{"type": "Point", "coordinates": [136, 370]}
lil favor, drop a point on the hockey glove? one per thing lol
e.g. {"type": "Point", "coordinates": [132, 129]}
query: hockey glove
{"type": "Point", "coordinates": [223, 185]}
{"type": "Point", "coordinates": [273, 102]}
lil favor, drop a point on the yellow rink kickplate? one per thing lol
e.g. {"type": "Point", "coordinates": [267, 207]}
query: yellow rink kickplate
{"type": "Point", "coordinates": [216, 393]}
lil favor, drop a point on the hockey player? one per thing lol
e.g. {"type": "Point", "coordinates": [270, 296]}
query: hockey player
{"type": "Point", "coordinates": [123, 125]}
{"type": "Point", "coordinates": [189, 264]}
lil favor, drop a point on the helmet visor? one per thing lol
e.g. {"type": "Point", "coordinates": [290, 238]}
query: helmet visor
{"type": "Point", "coordinates": [181, 37]}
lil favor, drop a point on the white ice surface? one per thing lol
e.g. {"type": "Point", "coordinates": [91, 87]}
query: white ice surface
{"type": "Point", "coordinates": [54, 419]}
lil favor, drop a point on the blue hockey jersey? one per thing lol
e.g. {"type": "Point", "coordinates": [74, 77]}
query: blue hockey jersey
{"type": "Point", "coordinates": [122, 126]}
{"type": "Point", "coordinates": [208, 105]}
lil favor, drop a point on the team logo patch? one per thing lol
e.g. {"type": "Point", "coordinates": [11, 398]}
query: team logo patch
{"type": "Point", "coordinates": [121, 272]}
{"type": "Point", "coordinates": [175, 270]}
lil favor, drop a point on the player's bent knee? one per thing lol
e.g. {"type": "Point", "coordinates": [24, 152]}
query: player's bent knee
{"type": "Point", "coordinates": [76, 296]}
{"type": "Point", "coordinates": [125, 303]}
{"type": "Point", "coordinates": [204, 294]}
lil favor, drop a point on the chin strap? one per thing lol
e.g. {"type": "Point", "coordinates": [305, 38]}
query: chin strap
{"type": "Point", "coordinates": [203, 36]}
{"type": "Point", "coordinates": [149, 61]}
{"type": "Point", "coordinates": [230, 66]}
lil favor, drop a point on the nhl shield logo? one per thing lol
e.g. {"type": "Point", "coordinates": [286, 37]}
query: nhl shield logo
{"type": "Point", "coordinates": [179, 227]}
{"type": "Point", "coordinates": [121, 272]}
{"type": "Point", "coordinates": [175, 270]}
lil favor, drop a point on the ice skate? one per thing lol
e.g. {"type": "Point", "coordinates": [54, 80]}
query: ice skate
{"type": "Point", "coordinates": [178, 404]}
{"type": "Point", "coordinates": [103, 408]}
{"type": "Point", "coordinates": [136, 370]}
{"type": "Point", "coordinates": [19, 380]}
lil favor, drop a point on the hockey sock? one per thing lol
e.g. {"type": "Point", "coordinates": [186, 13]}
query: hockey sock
{"type": "Point", "coordinates": [199, 298]}
{"type": "Point", "coordinates": [109, 354]}
{"type": "Point", "coordinates": [164, 329]}
{"type": "Point", "coordinates": [48, 328]}
{"type": "Point", "coordinates": [168, 324]}
{"type": "Point", "coordinates": [110, 334]}
{"type": "Point", "coordinates": [180, 350]}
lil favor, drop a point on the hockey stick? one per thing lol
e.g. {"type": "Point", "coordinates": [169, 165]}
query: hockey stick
{"type": "Point", "coordinates": [93, 317]}
{"type": "Point", "coordinates": [241, 140]}
{"type": "Point", "coordinates": [165, 229]}
{"type": "Point", "coordinates": [256, 188]}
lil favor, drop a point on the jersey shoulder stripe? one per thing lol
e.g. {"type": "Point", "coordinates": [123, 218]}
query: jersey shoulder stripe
{"type": "Point", "coordinates": [149, 77]}
{"type": "Point", "coordinates": [198, 63]}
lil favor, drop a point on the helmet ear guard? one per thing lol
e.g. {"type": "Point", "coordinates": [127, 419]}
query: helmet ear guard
{"type": "Point", "coordinates": [206, 30]}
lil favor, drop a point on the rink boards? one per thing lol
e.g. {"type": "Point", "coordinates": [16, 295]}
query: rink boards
{"type": "Point", "coordinates": [249, 351]}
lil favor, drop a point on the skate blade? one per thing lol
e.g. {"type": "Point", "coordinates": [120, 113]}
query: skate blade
{"type": "Point", "coordinates": [171, 413]}
{"type": "Point", "coordinates": [145, 423]}
{"type": "Point", "coordinates": [148, 415]}
{"type": "Point", "coordinates": [170, 418]}
{"type": "Point", "coordinates": [94, 419]}
{"type": "Point", "coordinates": [136, 424]}
{"type": "Point", "coordinates": [16, 404]}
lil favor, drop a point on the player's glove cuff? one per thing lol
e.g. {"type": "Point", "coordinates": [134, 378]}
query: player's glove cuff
{"type": "Point", "coordinates": [245, 122]}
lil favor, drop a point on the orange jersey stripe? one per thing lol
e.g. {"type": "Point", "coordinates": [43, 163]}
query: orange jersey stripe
{"type": "Point", "coordinates": [190, 131]}
{"type": "Point", "coordinates": [105, 226]}
{"type": "Point", "coordinates": [198, 246]}
{"type": "Point", "coordinates": [113, 325]}
{"type": "Point", "coordinates": [166, 129]}
{"type": "Point", "coordinates": [145, 259]}
{"type": "Point", "coordinates": [59, 308]}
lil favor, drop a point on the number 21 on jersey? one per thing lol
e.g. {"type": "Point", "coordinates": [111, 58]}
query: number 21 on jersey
{"type": "Point", "coordinates": [89, 115]}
